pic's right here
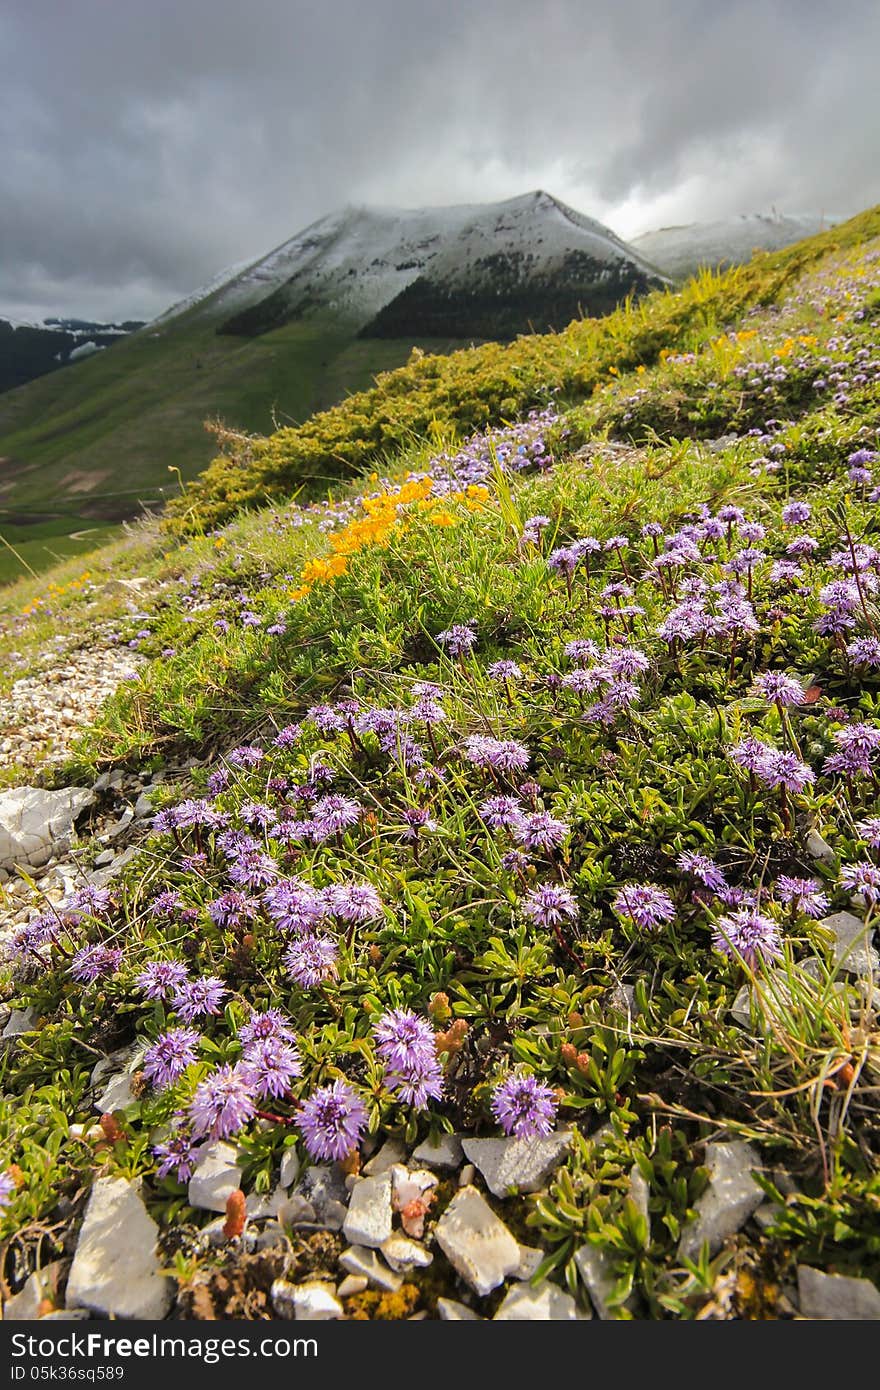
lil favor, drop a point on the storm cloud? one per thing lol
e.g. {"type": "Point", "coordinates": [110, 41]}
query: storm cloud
{"type": "Point", "coordinates": [148, 145]}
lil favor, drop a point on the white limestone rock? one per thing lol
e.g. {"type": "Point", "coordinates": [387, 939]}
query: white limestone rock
{"type": "Point", "coordinates": [836, 1296]}
{"type": "Point", "coordinates": [517, 1165]}
{"type": "Point", "coordinates": [729, 1200]}
{"type": "Point", "coordinates": [36, 824]}
{"type": "Point", "coordinates": [368, 1219]}
{"type": "Point", "coordinates": [216, 1177]}
{"type": "Point", "coordinates": [545, 1303]}
{"type": "Point", "coordinates": [479, 1247]}
{"type": "Point", "coordinates": [115, 1271]}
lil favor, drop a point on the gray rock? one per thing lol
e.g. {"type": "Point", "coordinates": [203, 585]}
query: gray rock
{"type": "Point", "coordinates": [290, 1166]}
{"type": "Point", "coordinates": [20, 1021]}
{"type": "Point", "coordinates": [729, 1200]}
{"type": "Point", "coordinates": [545, 1303]}
{"type": "Point", "coordinates": [352, 1284]}
{"type": "Point", "coordinates": [451, 1310]}
{"type": "Point", "coordinates": [596, 1268]}
{"type": "Point", "coordinates": [24, 1305]}
{"type": "Point", "coordinates": [296, 1211]}
{"type": "Point", "coordinates": [853, 952]}
{"type": "Point", "coordinates": [639, 1193]}
{"type": "Point", "coordinates": [391, 1152]}
{"type": "Point", "coordinates": [114, 1270]}
{"type": "Point", "coordinates": [117, 1095]}
{"type": "Point", "coordinates": [479, 1247]}
{"type": "Point", "coordinates": [216, 1177]}
{"type": "Point", "coordinates": [368, 1219]}
{"type": "Point", "coordinates": [445, 1152]}
{"type": "Point", "coordinates": [259, 1206]}
{"type": "Point", "coordinates": [517, 1165]}
{"type": "Point", "coordinates": [323, 1187]}
{"type": "Point", "coordinates": [67, 1315]}
{"type": "Point", "coordinates": [358, 1260]}
{"type": "Point", "coordinates": [836, 1296]}
{"type": "Point", "coordinates": [36, 824]}
{"type": "Point", "coordinates": [819, 849]}
{"type": "Point", "coordinates": [529, 1259]}
{"type": "Point", "coordinates": [306, 1302]}
{"type": "Point", "coordinates": [403, 1254]}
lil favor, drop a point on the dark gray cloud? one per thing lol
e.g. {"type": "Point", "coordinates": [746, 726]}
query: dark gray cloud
{"type": "Point", "coordinates": [145, 146]}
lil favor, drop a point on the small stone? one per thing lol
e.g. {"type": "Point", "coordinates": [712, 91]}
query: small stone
{"type": "Point", "coordinates": [323, 1188]}
{"type": "Point", "coordinates": [596, 1268]}
{"type": "Point", "coordinates": [729, 1200]}
{"type": "Point", "coordinates": [517, 1165]}
{"type": "Point", "coordinates": [836, 1296]}
{"type": "Point", "coordinates": [529, 1259]}
{"type": "Point", "coordinates": [478, 1246]}
{"type": "Point", "coordinates": [852, 947]}
{"type": "Point", "coordinates": [106, 857]}
{"type": "Point", "coordinates": [467, 1175]}
{"type": "Point", "coordinates": [216, 1177]}
{"type": "Point", "coordinates": [20, 1021]}
{"type": "Point", "coordinates": [357, 1259]}
{"type": "Point", "coordinates": [290, 1166]}
{"type": "Point", "coordinates": [639, 1192]}
{"type": "Point", "coordinates": [391, 1152]}
{"type": "Point", "coordinates": [451, 1310]}
{"type": "Point", "coordinates": [352, 1284]}
{"type": "Point", "coordinates": [309, 1302]}
{"type": "Point", "coordinates": [403, 1254]}
{"type": "Point", "coordinates": [117, 1095]}
{"type": "Point", "coordinates": [819, 849]}
{"type": "Point", "coordinates": [36, 824]}
{"type": "Point", "coordinates": [368, 1219]}
{"type": "Point", "coordinates": [412, 1194]}
{"type": "Point", "coordinates": [43, 1283]}
{"type": "Point", "coordinates": [545, 1303]}
{"type": "Point", "coordinates": [296, 1211]}
{"type": "Point", "coordinates": [115, 1271]}
{"type": "Point", "coordinates": [259, 1206]}
{"type": "Point", "coordinates": [444, 1152]}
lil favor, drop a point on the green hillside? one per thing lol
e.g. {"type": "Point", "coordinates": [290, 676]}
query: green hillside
{"type": "Point", "coordinates": [98, 438]}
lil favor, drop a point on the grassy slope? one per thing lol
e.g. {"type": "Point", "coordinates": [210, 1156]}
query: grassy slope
{"type": "Point", "coordinates": [634, 795]}
{"type": "Point", "coordinates": [102, 434]}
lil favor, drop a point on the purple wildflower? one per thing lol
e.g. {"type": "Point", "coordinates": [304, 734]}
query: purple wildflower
{"type": "Point", "coordinates": [271, 1064]}
{"type": "Point", "coordinates": [271, 1023]}
{"type": "Point", "coordinates": [549, 906]}
{"type": "Point", "coordinates": [540, 831]}
{"type": "Point", "coordinates": [311, 959]}
{"type": "Point", "coordinates": [180, 1155]}
{"type": "Point", "coordinates": [169, 1056]}
{"type": "Point", "coordinates": [644, 904]}
{"type": "Point", "coordinates": [223, 1103]}
{"type": "Point", "coordinates": [332, 1121]}
{"type": "Point", "coordinates": [779, 689]}
{"type": "Point", "coordinates": [802, 895]}
{"type": "Point", "coordinates": [353, 902]}
{"type": "Point", "coordinates": [160, 978]}
{"type": "Point", "coordinates": [195, 998]}
{"type": "Point", "coordinates": [459, 638]}
{"type": "Point", "coordinates": [749, 935]}
{"type": "Point", "coordinates": [524, 1106]}
{"type": "Point", "coordinates": [862, 878]}
{"type": "Point", "coordinates": [93, 963]}
{"type": "Point", "coordinates": [703, 869]}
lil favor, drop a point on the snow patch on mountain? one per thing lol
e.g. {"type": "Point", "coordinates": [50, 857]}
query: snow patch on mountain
{"type": "Point", "coordinates": [681, 251]}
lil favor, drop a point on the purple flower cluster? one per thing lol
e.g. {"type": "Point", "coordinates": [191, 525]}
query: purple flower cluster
{"type": "Point", "coordinates": [406, 1045]}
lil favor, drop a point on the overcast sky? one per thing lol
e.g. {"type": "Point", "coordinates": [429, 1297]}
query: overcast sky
{"type": "Point", "coordinates": [146, 144]}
